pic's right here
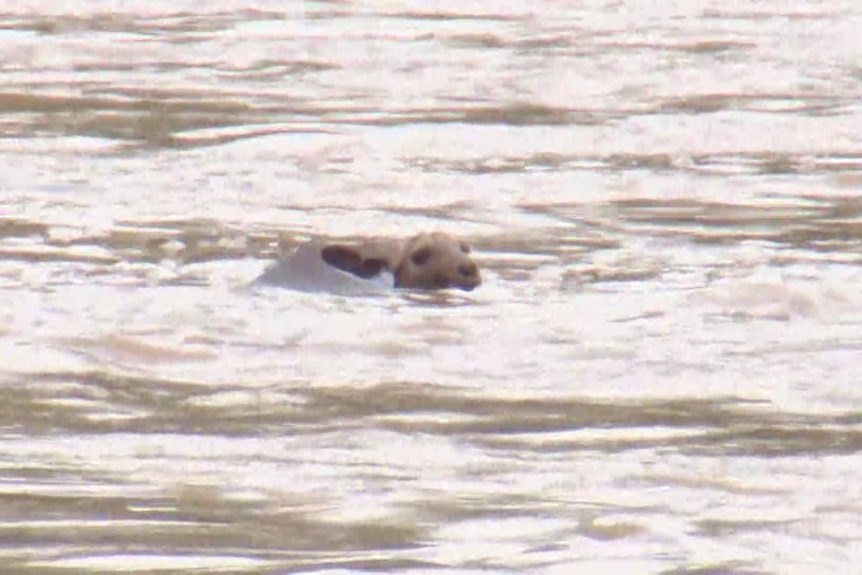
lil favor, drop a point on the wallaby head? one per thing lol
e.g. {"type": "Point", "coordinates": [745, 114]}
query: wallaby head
{"type": "Point", "coordinates": [434, 261]}
{"type": "Point", "coordinates": [427, 261]}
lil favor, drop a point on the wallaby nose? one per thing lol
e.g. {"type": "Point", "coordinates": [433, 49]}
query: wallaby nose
{"type": "Point", "coordinates": [468, 270]}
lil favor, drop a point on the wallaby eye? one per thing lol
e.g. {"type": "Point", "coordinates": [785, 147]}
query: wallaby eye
{"type": "Point", "coordinates": [465, 248]}
{"type": "Point", "coordinates": [419, 257]}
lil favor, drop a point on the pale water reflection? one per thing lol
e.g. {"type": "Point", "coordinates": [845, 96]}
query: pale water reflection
{"type": "Point", "coordinates": [657, 375]}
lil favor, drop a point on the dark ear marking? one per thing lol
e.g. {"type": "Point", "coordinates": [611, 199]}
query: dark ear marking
{"type": "Point", "coordinates": [344, 258]}
{"type": "Point", "coordinates": [421, 256]}
{"type": "Point", "coordinates": [349, 260]}
{"type": "Point", "coordinates": [371, 267]}
{"type": "Point", "coordinates": [465, 248]}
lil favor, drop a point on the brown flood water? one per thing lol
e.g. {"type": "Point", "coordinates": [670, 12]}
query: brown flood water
{"type": "Point", "coordinates": [659, 374]}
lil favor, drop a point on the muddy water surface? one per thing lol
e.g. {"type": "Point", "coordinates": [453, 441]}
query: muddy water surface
{"type": "Point", "coordinates": [660, 373]}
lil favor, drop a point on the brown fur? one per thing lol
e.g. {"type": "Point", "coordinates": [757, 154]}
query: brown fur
{"type": "Point", "coordinates": [426, 261]}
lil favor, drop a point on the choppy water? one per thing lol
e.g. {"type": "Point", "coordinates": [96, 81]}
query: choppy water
{"type": "Point", "coordinates": [660, 373]}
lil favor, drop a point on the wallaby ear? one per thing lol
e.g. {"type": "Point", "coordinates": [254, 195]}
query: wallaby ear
{"type": "Point", "coordinates": [371, 267]}
{"type": "Point", "coordinates": [348, 259]}
{"type": "Point", "coordinates": [344, 258]}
